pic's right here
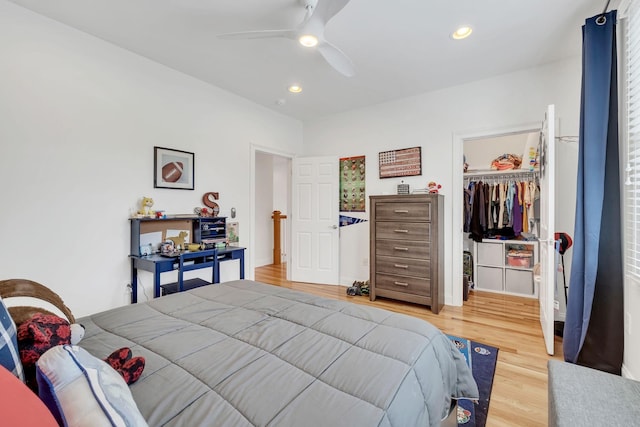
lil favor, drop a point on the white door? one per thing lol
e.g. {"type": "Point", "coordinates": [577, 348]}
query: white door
{"type": "Point", "coordinates": [314, 224]}
{"type": "Point", "coordinates": [547, 227]}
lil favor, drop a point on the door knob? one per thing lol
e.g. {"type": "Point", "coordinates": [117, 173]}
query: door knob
{"type": "Point", "coordinates": [333, 226]}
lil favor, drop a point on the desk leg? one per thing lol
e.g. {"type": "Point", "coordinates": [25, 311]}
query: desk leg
{"type": "Point", "coordinates": [134, 282]}
{"type": "Point", "coordinates": [241, 264]}
{"type": "Point", "coordinates": [216, 270]}
{"type": "Point", "coordinates": [156, 282]}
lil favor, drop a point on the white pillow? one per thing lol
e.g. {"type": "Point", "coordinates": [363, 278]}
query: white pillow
{"type": "Point", "coordinates": [82, 390]}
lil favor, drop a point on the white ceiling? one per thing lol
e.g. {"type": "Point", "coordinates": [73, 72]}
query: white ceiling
{"type": "Point", "coordinates": [399, 47]}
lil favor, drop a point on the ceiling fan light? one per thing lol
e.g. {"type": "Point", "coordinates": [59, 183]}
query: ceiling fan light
{"type": "Point", "coordinates": [462, 33]}
{"type": "Point", "coordinates": [308, 40]}
{"type": "Point", "coordinates": [295, 88]}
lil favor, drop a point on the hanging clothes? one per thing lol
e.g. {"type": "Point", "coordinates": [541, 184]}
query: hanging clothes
{"type": "Point", "coordinates": [511, 192]}
{"type": "Point", "coordinates": [502, 197]}
{"type": "Point", "coordinates": [500, 206]}
{"type": "Point", "coordinates": [516, 216]}
{"type": "Point", "coordinates": [489, 205]}
{"type": "Point", "coordinates": [466, 208]}
{"type": "Point", "coordinates": [477, 213]}
{"type": "Point", "coordinates": [525, 208]}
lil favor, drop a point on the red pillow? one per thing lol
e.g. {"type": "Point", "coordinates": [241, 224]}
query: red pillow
{"type": "Point", "coordinates": [19, 406]}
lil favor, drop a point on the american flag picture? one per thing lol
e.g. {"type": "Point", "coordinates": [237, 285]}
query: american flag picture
{"type": "Point", "coordinates": [405, 162]}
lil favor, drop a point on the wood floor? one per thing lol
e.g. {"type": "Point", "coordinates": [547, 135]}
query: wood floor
{"type": "Point", "coordinates": [519, 394]}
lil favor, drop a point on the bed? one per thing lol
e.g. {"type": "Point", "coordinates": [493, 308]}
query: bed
{"type": "Point", "coordinates": [244, 353]}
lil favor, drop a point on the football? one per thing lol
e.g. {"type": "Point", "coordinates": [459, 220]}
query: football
{"type": "Point", "coordinates": [172, 171]}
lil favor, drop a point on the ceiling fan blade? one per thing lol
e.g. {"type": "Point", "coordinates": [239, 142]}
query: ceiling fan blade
{"type": "Point", "coordinates": [337, 59]}
{"type": "Point", "coordinates": [327, 9]}
{"type": "Point", "coordinates": [261, 34]}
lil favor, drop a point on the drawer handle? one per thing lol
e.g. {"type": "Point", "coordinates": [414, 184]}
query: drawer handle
{"type": "Point", "coordinates": [401, 283]}
{"type": "Point", "coordinates": [398, 248]}
{"type": "Point", "coordinates": [401, 266]}
{"type": "Point", "coordinates": [401, 211]}
{"type": "Point", "coordinates": [401, 231]}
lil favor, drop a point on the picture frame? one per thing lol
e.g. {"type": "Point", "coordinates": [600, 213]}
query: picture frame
{"type": "Point", "coordinates": [173, 168]}
{"type": "Point", "coordinates": [233, 233]}
{"type": "Point", "coordinates": [352, 184]}
{"type": "Point", "coordinates": [399, 163]}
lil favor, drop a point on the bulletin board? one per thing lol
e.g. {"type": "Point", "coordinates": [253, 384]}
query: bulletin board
{"type": "Point", "coordinates": [352, 184]}
{"type": "Point", "coordinates": [156, 232]}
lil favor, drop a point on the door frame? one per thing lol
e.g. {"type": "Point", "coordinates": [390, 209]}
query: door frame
{"type": "Point", "coordinates": [458, 182]}
{"type": "Point", "coordinates": [250, 262]}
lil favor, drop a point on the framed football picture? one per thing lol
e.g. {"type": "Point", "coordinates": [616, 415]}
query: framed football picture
{"type": "Point", "coordinates": [173, 168]}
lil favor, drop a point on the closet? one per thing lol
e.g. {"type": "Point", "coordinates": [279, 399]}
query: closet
{"type": "Point", "coordinates": [501, 218]}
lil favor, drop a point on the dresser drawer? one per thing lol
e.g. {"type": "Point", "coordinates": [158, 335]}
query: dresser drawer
{"type": "Point", "coordinates": [411, 285]}
{"type": "Point", "coordinates": [403, 266]}
{"type": "Point", "coordinates": [399, 211]}
{"type": "Point", "coordinates": [407, 249]}
{"type": "Point", "coordinates": [403, 230]}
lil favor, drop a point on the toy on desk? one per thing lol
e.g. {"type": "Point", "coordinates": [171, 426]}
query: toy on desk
{"type": "Point", "coordinates": [145, 207]}
{"type": "Point", "coordinates": [146, 250]}
{"type": "Point", "coordinates": [160, 215]}
{"type": "Point", "coordinates": [167, 247]}
{"type": "Point", "coordinates": [179, 240]}
{"type": "Point", "coordinates": [203, 212]}
{"type": "Point", "coordinates": [433, 187]}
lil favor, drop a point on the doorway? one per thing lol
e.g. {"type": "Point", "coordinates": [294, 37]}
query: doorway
{"type": "Point", "coordinates": [270, 191]}
{"type": "Point", "coordinates": [457, 238]}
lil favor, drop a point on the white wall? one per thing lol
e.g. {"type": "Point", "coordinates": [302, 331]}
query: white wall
{"type": "Point", "coordinates": [431, 120]}
{"type": "Point", "coordinates": [78, 122]}
{"type": "Point", "coordinates": [479, 153]}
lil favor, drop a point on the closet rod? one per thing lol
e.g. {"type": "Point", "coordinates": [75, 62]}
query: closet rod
{"type": "Point", "coordinates": [508, 173]}
{"type": "Point", "coordinates": [528, 175]}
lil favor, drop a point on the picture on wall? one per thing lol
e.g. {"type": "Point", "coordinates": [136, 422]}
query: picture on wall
{"type": "Point", "coordinates": [233, 233]}
{"type": "Point", "coordinates": [173, 168]}
{"type": "Point", "coordinates": [405, 162]}
{"type": "Point", "coordinates": [352, 188]}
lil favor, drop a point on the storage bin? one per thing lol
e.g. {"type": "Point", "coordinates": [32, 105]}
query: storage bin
{"type": "Point", "coordinates": [490, 253]}
{"type": "Point", "coordinates": [518, 258]}
{"type": "Point", "coordinates": [519, 282]}
{"type": "Point", "coordinates": [490, 278]}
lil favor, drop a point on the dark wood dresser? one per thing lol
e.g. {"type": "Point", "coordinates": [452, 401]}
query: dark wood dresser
{"type": "Point", "coordinates": [406, 259]}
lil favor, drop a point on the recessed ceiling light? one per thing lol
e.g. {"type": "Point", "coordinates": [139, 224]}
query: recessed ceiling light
{"type": "Point", "coordinates": [462, 33]}
{"type": "Point", "coordinates": [295, 88]}
{"type": "Point", "coordinates": [308, 40]}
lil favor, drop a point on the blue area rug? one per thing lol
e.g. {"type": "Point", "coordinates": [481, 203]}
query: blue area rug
{"type": "Point", "coordinates": [482, 359]}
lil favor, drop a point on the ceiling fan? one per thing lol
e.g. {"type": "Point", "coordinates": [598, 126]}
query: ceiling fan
{"type": "Point", "coordinates": [310, 33]}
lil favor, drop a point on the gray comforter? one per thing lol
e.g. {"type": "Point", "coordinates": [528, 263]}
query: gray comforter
{"type": "Point", "coordinates": [244, 353]}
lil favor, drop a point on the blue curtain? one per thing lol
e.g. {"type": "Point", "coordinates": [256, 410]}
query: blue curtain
{"type": "Point", "coordinates": [593, 332]}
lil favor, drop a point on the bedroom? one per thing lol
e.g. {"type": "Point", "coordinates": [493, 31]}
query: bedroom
{"type": "Point", "coordinates": [110, 107]}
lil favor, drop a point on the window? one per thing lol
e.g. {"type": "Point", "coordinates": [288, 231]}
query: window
{"type": "Point", "coordinates": [631, 136]}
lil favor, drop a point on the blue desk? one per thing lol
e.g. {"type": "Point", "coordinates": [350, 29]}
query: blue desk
{"type": "Point", "coordinates": [201, 259]}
